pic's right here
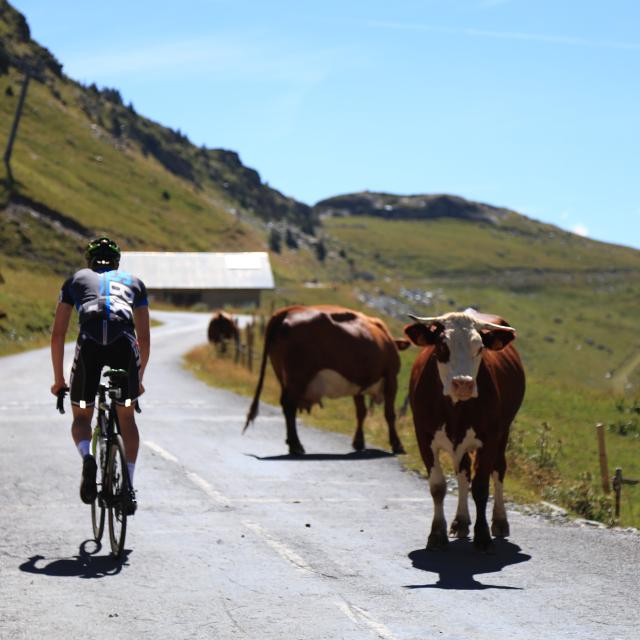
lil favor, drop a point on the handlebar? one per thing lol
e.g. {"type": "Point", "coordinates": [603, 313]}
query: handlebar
{"type": "Point", "coordinates": [60, 401]}
{"type": "Point", "coordinates": [63, 392]}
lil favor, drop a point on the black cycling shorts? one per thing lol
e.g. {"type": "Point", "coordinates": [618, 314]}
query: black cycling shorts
{"type": "Point", "coordinates": [89, 360]}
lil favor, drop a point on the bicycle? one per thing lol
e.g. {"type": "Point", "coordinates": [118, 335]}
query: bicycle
{"type": "Point", "coordinates": [112, 479]}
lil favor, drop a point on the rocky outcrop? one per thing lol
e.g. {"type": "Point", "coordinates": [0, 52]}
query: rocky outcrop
{"type": "Point", "coordinates": [415, 207]}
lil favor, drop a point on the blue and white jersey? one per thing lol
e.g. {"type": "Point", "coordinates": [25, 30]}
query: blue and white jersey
{"type": "Point", "coordinates": [105, 302]}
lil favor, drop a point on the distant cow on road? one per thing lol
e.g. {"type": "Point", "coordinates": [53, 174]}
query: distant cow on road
{"type": "Point", "coordinates": [329, 351]}
{"type": "Point", "coordinates": [222, 328]}
{"type": "Point", "coordinates": [466, 387]}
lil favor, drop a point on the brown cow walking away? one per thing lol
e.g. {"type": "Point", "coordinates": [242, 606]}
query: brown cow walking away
{"type": "Point", "coordinates": [329, 351]}
{"type": "Point", "coordinates": [223, 327]}
{"type": "Point", "coordinates": [466, 387]}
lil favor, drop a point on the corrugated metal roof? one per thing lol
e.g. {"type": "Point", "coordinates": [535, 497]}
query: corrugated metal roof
{"type": "Point", "coordinates": [186, 270]}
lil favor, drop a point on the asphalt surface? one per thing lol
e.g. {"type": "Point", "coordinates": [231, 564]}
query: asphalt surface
{"type": "Point", "coordinates": [234, 539]}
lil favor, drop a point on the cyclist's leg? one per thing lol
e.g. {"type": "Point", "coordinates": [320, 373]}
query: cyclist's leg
{"type": "Point", "coordinates": [81, 428]}
{"type": "Point", "coordinates": [85, 375]}
{"type": "Point", "coordinates": [129, 431]}
{"type": "Point", "coordinates": [126, 355]}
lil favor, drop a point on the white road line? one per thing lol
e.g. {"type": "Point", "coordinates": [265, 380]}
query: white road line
{"type": "Point", "coordinates": [200, 482]}
{"type": "Point", "coordinates": [163, 453]}
{"type": "Point", "coordinates": [281, 549]}
{"type": "Point", "coordinates": [360, 616]}
{"type": "Point", "coordinates": [216, 496]}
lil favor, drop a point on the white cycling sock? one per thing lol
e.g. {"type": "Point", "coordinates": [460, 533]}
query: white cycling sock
{"type": "Point", "coordinates": [131, 466]}
{"type": "Point", "coordinates": [83, 447]}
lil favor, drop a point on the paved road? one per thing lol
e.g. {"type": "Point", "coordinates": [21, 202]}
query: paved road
{"type": "Point", "coordinates": [235, 540]}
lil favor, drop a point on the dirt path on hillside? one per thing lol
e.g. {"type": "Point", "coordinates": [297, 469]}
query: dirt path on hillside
{"type": "Point", "coordinates": [620, 376]}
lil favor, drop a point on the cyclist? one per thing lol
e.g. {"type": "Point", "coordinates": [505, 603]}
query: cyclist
{"type": "Point", "coordinates": [114, 332]}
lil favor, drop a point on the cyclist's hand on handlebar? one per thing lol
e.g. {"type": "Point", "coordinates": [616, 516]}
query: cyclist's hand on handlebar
{"type": "Point", "coordinates": [62, 392]}
{"type": "Point", "coordinates": [56, 387]}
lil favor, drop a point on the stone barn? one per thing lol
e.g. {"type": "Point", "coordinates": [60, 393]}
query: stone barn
{"type": "Point", "coordinates": [214, 279]}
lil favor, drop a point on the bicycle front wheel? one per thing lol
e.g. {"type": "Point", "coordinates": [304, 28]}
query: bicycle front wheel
{"type": "Point", "coordinates": [98, 449]}
{"type": "Point", "coordinates": [118, 493]}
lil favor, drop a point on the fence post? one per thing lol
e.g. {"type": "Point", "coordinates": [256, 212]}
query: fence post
{"type": "Point", "coordinates": [617, 487]}
{"type": "Point", "coordinates": [250, 347]}
{"type": "Point", "coordinates": [604, 467]}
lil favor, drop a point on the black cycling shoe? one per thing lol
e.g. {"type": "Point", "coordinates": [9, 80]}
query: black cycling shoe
{"type": "Point", "coordinates": [88, 489]}
{"type": "Point", "coordinates": [130, 504]}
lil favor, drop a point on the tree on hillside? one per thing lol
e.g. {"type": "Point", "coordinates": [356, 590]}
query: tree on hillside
{"type": "Point", "coordinates": [290, 239]}
{"type": "Point", "coordinates": [275, 241]}
{"type": "Point", "coordinates": [4, 60]}
{"type": "Point", "coordinates": [321, 251]}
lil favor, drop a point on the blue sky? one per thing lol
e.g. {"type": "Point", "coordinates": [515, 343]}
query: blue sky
{"type": "Point", "coordinates": [529, 104]}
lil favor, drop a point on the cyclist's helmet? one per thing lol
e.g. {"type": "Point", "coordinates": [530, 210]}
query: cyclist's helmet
{"type": "Point", "coordinates": [102, 253]}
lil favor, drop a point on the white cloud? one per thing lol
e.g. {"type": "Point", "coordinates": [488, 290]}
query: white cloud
{"type": "Point", "coordinates": [215, 55]}
{"type": "Point", "coordinates": [580, 230]}
{"type": "Point", "coordinates": [508, 35]}
{"type": "Point", "coordinates": [489, 4]}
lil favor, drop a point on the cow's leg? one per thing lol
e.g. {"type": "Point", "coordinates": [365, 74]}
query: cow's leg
{"type": "Point", "coordinates": [460, 525]}
{"type": "Point", "coordinates": [290, 409]}
{"type": "Point", "coordinates": [480, 492]}
{"type": "Point", "coordinates": [499, 522]}
{"type": "Point", "coordinates": [390, 389]}
{"type": "Point", "coordinates": [438, 487]}
{"type": "Point", "coordinates": [361, 413]}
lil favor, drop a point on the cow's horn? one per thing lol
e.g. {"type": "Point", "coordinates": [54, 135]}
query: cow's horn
{"type": "Point", "coordinates": [491, 325]}
{"type": "Point", "coordinates": [426, 320]}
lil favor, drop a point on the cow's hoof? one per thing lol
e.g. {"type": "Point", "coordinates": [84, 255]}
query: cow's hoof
{"type": "Point", "coordinates": [437, 541]}
{"type": "Point", "coordinates": [500, 528]}
{"type": "Point", "coordinates": [459, 528]}
{"type": "Point", "coordinates": [358, 444]}
{"type": "Point", "coordinates": [397, 448]}
{"type": "Point", "coordinates": [482, 540]}
{"type": "Point", "coordinates": [296, 449]}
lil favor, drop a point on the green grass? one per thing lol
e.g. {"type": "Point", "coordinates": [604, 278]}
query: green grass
{"type": "Point", "coordinates": [416, 249]}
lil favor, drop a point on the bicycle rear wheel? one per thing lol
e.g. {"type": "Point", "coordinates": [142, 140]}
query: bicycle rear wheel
{"type": "Point", "coordinates": [117, 495]}
{"type": "Point", "coordinates": [98, 449]}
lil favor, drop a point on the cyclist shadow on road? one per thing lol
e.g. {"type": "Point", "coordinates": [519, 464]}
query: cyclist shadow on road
{"type": "Point", "coordinates": [366, 454]}
{"type": "Point", "coordinates": [85, 565]}
{"type": "Point", "coordinates": [461, 562]}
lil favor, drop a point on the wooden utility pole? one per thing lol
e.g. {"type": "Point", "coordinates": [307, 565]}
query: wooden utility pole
{"type": "Point", "coordinates": [14, 128]}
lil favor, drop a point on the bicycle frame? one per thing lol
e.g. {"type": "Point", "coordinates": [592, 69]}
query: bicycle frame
{"type": "Point", "coordinates": [107, 425]}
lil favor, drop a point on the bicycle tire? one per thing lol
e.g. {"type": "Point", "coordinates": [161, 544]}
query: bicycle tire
{"type": "Point", "coordinates": [117, 495]}
{"type": "Point", "coordinates": [98, 446]}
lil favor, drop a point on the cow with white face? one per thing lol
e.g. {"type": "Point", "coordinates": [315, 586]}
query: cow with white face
{"type": "Point", "coordinates": [466, 387]}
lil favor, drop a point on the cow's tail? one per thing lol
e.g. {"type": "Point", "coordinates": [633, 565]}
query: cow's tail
{"type": "Point", "coordinates": [272, 327]}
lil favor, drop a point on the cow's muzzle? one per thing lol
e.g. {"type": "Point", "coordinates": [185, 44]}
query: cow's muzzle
{"type": "Point", "coordinates": [462, 387]}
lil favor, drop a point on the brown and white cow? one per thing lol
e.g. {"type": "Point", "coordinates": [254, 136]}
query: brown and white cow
{"type": "Point", "coordinates": [222, 328]}
{"type": "Point", "coordinates": [329, 351]}
{"type": "Point", "coordinates": [466, 387]}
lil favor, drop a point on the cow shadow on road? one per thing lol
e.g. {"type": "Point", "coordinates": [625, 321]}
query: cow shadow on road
{"type": "Point", "coordinates": [84, 565]}
{"type": "Point", "coordinates": [461, 562]}
{"type": "Point", "coordinates": [366, 454]}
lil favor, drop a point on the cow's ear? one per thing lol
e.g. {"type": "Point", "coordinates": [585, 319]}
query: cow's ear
{"type": "Point", "coordinates": [423, 335]}
{"type": "Point", "coordinates": [497, 339]}
{"type": "Point", "coordinates": [402, 344]}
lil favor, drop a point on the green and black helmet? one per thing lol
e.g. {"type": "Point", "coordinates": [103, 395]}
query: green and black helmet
{"type": "Point", "coordinates": [102, 253]}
